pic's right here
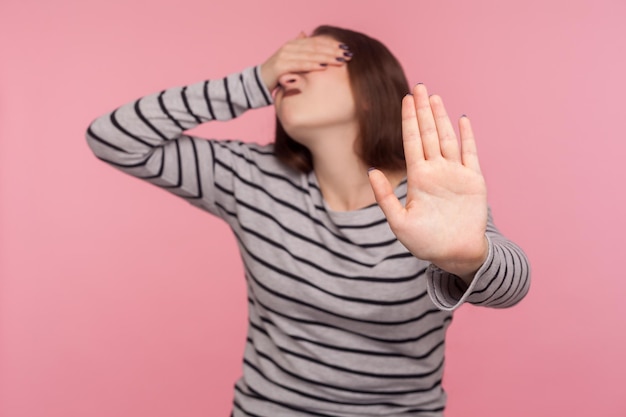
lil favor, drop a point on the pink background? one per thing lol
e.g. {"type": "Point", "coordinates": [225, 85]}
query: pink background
{"type": "Point", "coordinates": [120, 300]}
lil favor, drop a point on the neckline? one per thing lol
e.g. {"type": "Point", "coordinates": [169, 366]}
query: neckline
{"type": "Point", "coordinates": [357, 214]}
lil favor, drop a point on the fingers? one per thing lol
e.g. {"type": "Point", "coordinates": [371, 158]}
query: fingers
{"type": "Point", "coordinates": [303, 54]}
{"type": "Point", "coordinates": [385, 197]}
{"type": "Point", "coordinates": [431, 124]}
{"type": "Point", "coordinates": [469, 153]}
{"type": "Point", "coordinates": [448, 143]}
{"type": "Point", "coordinates": [426, 123]}
{"type": "Point", "coordinates": [318, 50]}
{"type": "Point", "coordinates": [411, 139]}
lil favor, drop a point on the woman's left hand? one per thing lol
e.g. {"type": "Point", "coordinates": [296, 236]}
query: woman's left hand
{"type": "Point", "coordinates": [445, 216]}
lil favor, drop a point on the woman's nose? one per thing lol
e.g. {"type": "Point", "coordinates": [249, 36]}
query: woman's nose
{"type": "Point", "coordinates": [287, 79]}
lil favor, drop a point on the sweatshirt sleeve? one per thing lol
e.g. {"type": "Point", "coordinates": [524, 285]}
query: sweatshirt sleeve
{"type": "Point", "coordinates": [501, 282]}
{"type": "Point", "coordinates": [145, 138]}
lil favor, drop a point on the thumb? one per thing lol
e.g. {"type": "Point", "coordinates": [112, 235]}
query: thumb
{"type": "Point", "coordinates": [386, 199]}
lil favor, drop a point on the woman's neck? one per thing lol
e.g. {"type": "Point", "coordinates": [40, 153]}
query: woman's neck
{"type": "Point", "coordinates": [344, 185]}
{"type": "Point", "coordinates": [343, 181]}
{"type": "Point", "coordinates": [341, 174]}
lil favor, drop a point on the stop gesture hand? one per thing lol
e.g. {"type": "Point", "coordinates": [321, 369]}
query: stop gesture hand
{"type": "Point", "coordinates": [445, 216]}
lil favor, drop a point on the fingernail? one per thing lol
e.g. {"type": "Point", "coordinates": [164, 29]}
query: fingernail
{"type": "Point", "coordinates": [419, 84]}
{"type": "Point", "coordinates": [323, 64]}
{"type": "Point", "coordinates": [341, 59]}
{"type": "Point", "coordinates": [344, 46]}
{"type": "Point", "coordinates": [348, 54]}
{"type": "Point", "coordinates": [464, 115]}
{"type": "Point", "coordinates": [370, 169]}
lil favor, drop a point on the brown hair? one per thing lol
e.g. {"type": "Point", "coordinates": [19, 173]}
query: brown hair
{"type": "Point", "coordinates": [378, 84]}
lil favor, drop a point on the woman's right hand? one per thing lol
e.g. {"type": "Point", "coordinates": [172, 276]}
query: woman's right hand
{"type": "Point", "coordinates": [303, 54]}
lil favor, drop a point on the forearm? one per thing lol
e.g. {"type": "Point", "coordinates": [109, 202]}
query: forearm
{"type": "Point", "coordinates": [130, 133]}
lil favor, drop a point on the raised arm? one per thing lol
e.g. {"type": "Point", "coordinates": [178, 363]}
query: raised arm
{"type": "Point", "coordinates": [446, 219]}
{"type": "Point", "coordinates": [145, 138]}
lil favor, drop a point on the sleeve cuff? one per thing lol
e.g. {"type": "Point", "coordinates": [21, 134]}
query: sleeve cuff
{"type": "Point", "coordinates": [448, 291]}
{"type": "Point", "coordinates": [256, 89]}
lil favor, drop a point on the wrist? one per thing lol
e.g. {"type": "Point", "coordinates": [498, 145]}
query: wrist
{"type": "Point", "coordinates": [466, 268]}
{"type": "Point", "coordinates": [268, 77]}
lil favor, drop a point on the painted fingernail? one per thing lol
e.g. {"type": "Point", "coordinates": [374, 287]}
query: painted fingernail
{"type": "Point", "coordinates": [341, 59]}
{"type": "Point", "coordinates": [419, 84]}
{"type": "Point", "coordinates": [348, 54]}
{"type": "Point", "coordinates": [323, 64]}
{"type": "Point", "coordinates": [344, 46]}
{"type": "Point", "coordinates": [464, 115]}
{"type": "Point", "coordinates": [370, 169]}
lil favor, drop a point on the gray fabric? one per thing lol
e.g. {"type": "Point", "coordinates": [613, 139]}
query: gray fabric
{"type": "Point", "coordinates": [343, 321]}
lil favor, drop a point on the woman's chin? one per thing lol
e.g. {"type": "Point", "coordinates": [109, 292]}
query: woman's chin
{"type": "Point", "coordinates": [296, 129]}
{"type": "Point", "coordinates": [296, 135]}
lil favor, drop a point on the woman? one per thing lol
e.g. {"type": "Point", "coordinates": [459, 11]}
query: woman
{"type": "Point", "coordinates": [352, 278]}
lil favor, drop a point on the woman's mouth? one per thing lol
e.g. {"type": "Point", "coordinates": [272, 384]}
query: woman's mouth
{"type": "Point", "coordinates": [291, 92]}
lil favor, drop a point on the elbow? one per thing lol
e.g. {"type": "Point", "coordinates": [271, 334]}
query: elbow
{"type": "Point", "coordinates": [104, 142]}
{"type": "Point", "coordinates": [94, 141]}
{"type": "Point", "coordinates": [525, 287]}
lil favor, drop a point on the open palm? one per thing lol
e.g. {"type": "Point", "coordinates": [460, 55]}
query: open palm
{"type": "Point", "coordinates": [445, 216]}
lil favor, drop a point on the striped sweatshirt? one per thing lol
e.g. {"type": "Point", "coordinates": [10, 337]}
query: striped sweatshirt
{"type": "Point", "coordinates": [343, 320]}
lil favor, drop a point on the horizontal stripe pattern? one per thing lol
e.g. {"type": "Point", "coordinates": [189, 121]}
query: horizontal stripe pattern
{"type": "Point", "coordinates": [343, 321]}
